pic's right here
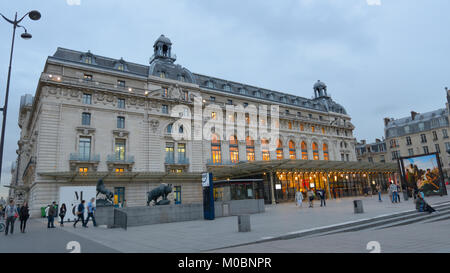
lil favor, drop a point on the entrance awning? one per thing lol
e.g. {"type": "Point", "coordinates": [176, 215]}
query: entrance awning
{"type": "Point", "coordinates": [257, 167]}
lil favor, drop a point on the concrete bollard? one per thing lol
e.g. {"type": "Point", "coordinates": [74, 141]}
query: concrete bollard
{"type": "Point", "coordinates": [358, 206]}
{"type": "Point", "coordinates": [244, 223]}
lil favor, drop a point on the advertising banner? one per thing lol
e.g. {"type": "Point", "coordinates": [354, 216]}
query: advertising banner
{"type": "Point", "coordinates": [72, 196]}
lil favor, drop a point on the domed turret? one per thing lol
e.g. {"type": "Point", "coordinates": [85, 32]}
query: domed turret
{"type": "Point", "coordinates": [162, 49]}
{"type": "Point", "coordinates": [320, 89]}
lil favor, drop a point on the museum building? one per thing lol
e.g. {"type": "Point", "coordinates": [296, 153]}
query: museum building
{"type": "Point", "coordinates": [96, 117]}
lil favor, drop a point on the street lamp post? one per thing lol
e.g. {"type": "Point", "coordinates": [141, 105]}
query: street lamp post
{"type": "Point", "coordinates": [34, 15]}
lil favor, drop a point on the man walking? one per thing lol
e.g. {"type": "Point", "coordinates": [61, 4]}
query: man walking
{"type": "Point", "coordinates": [91, 211]}
{"type": "Point", "coordinates": [311, 198]}
{"type": "Point", "coordinates": [393, 189]}
{"type": "Point", "coordinates": [322, 198]}
{"type": "Point", "coordinates": [10, 215]}
{"type": "Point", "coordinates": [80, 213]}
{"type": "Point", "coordinates": [51, 215]}
{"type": "Point", "coordinates": [379, 192]}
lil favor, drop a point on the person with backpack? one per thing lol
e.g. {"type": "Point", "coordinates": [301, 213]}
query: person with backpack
{"type": "Point", "coordinates": [62, 214]}
{"type": "Point", "coordinates": [51, 215]}
{"type": "Point", "coordinates": [80, 214]}
{"type": "Point", "coordinates": [24, 214]}
{"type": "Point", "coordinates": [91, 211]}
{"type": "Point", "coordinates": [10, 215]}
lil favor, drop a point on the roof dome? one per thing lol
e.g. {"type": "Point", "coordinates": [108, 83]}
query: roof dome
{"type": "Point", "coordinates": [319, 85]}
{"type": "Point", "coordinates": [163, 39]}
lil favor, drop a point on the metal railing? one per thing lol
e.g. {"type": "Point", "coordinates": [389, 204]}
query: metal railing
{"type": "Point", "coordinates": [118, 159]}
{"type": "Point", "coordinates": [180, 160]}
{"type": "Point", "coordinates": [120, 219]}
{"type": "Point", "coordinates": [83, 157]}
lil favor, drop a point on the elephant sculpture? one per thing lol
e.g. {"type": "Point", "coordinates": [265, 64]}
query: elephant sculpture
{"type": "Point", "coordinates": [163, 190]}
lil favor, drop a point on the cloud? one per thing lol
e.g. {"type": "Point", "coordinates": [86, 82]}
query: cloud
{"type": "Point", "coordinates": [73, 2]}
{"type": "Point", "coordinates": [373, 2]}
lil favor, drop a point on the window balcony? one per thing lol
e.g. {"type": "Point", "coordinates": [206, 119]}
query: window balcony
{"type": "Point", "coordinates": [77, 159]}
{"type": "Point", "coordinates": [114, 161]}
{"type": "Point", "coordinates": [179, 161]}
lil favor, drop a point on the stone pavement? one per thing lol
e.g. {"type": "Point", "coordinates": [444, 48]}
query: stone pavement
{"type": "Point", "coordinates": [415, 238]}
{"type": "Point", "coordinates": [39, 239]}
{"type": "Point", "coordinates": [203, 235]}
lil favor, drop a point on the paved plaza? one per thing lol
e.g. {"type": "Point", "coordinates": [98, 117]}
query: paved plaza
{"type": "Point", "coordinates": [202, 235]}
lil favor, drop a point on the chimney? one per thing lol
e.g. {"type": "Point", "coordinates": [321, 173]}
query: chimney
{"type": "Point", "coordinates": [386, 121]}
{"type": "Point", "coordinates": [413, 115]}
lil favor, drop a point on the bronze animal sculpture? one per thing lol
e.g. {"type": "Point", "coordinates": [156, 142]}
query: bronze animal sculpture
{"type": "Point", "coordinates": [163, 190]}
{"type": "Point", "coordinates": [103, 190]}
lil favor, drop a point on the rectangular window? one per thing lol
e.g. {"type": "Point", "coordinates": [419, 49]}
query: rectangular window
{"type": "Point", "coordinates": [119, 149]}
{"type": "Point", "coordinates": [165, 93]}
{"type": "Point", "coordinates": [265, 155]}
{"type": "Point", "coordinates": [181, 152]}
{"type": "Point", "coordinates": [230, 102]}
{"type": "Point", "coordinates": [213, 115]}
{"type": "Point", "coordinates": [245, 104]}
{"type": "Point", "coordinates": [438, 149]}
{"type": "Point", "coordinates": [447, 146]}
{"type": "Point", "coordinates": [119, 170]}
{"type": "Point", "coordinates": [83, 169]}
{"type": "Point", "coordinates": [250, 154]}
{"type": "Point", "coordinates": [121, 103]}
{"type": "Point", "coordinates": [423, 138]}
{"type": "Point", "coordinates": [411, 152]}
{"type": "Point", "coordinates": [165, 109]}
{"type": "Point", "coordinates": [84, 148]}
{"type": "Point", "coordinates": [425, 149]}
{"type": "Point", "coordinates": [444, 133]}
{"type": "Point", "coordinates": [169, 152]}
{"type": "Point", "coordinates": [121, 122]}
{"type": "Point", "coordinates": [313, 128]}
{"type": "Point", "coordinates": [212, 98]}
{"type": "Point", "coordinates": [435, 137]}
{"type": "Point", "coordinates": [408, 140]}
{"type": "Point", "coordinates": [186, 95]}
{"type": "Point", "coordinates": [87, 98]}
{"type": "Point", "coordinates": [87, 77]}
{"type": "Point", "coordinates": [120, 83]}
{"type": "Point", "coordinates": [86, 119]}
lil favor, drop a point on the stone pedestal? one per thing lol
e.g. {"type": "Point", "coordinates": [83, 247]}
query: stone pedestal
{"type": "Point", "coordinates": [104, 215]}
{"type": "Point", "coordinates": [244, 223]}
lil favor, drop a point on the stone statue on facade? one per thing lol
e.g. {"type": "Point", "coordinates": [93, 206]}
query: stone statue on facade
{"type": "Point", "coordinates": [162, 191]}
{"type": "Point", "coordinates": [108, 195]}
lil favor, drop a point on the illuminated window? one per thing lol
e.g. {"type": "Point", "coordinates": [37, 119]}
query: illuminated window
{"type": "Point", "coordinates": [265, 149]}
{"type": "Point", "coordinates": [88, 59]}
{"type": "Point", "coordinates": [119, 149]}
{"type": "Point", "coordinates": [323, 130]}
{"type": "Point", "coordinates": [87, 77]}
{"type": "Point", "coordinates": [302, 127]}
{"type": "Point", "coordinates": [83, 170]}
{"type": "Point", "coordinates": [234, 149]}
{"type": "Point", "coordinates": [181, 152]}
{"type": "Point", "coordinates": [279, 150]}
{"type": "Point", "coordinates": [250, 145]}
{"type": "Point", "coordinates": [292, 150]}
{"type": "Point", "coordinates": [290, 125]}
{"type": "Point", "coordinates": [315, 151]}
{"type": "Point", "coordinates": [313, 128]}
{"type": "Point", "coordinates": [304, 151]}
{"type": "Point", "coordinates": [213, 115]}
{"type": "Point", "coordinates": [119, 170]}
{"type": "Point", "coordinates": [325, 152]}
{"type": "Point", "coordinates": [169, 152]}
{"type": "Point", "coordinates": [162, 74]}
{"type": "Point", "coordinates": [216, 155]}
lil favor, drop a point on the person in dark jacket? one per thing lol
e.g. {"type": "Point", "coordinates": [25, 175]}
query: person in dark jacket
{"type": "Point", "coordinates": [24, 214]}
{"type": "Point", "coordinates": [62, 213]}
{"type": "Point", "coordinates": [80, 214]}
{"type": "Point", "coordinates": [51, 215]}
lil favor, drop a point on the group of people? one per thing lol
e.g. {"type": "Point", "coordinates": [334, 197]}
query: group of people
{"type": "Point", "coordinates": [51, 213]}
{"type": "Point", "coordinates": [394, 193]}
{"type": "Point", "coordinates": [11, 213]}
{"type": "Point", "coordinates": [311, 196]}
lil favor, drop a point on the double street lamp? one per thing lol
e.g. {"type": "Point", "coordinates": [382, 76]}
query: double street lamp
{"type": "Point", "coordinates": [34, 15]}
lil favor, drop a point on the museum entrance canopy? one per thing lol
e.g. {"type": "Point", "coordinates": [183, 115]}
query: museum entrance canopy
{"type": "Point", "coordinates": [245, 169]}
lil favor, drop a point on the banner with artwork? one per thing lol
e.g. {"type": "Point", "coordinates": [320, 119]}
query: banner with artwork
{"type": "Point", "coordinates": [423, 172]}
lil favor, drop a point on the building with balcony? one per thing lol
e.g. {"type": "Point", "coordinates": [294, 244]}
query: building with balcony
{"type": "Point", "coordinates": [419, 134]}
{"type": "Point", "coordinates": [97, 117]}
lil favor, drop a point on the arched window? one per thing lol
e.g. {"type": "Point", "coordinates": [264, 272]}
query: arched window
{"type": "Point", "coordinates": [216, 155]}
{"type": "Point", "coordinates": [234, 149]}
{"type": "Point", "coordinates": [292, 150]}
{"type": "Point", "coordinates": [169, 128]}
{"type": "Point", "coordinates": [304, 151]}
{"type": "Point", "coordinates": [265, 149]}
{"type": "Point", "coordinates": [250, 147]}
{"type": "Point", "coordinates": [325, 152]}
{"type": "Point", "coordinates": [279, 150]}
{"type": "Point", "coordinates": [315, 148]}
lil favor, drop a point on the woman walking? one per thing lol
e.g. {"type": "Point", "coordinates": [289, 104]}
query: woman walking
{"type": "Point", "coordinates": [299, 198]}
{"type": "Point", "coordinates": [62, 214]}
{"type": "Point", "coordinates": [24, 214]}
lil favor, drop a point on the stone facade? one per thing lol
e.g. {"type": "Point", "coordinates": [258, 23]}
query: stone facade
{"type": "Point", "coordinates": [94, 115]}
{"type": "Point", "coordinates": [371, 152]}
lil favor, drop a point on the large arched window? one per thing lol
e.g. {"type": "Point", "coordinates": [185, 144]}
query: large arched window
{"type": "Point", "coordinates": [292, 150]}
{"type": "Point", "coordinates": [250, 147]}
{"type": "Point", "coordinates": [265, 149]}
{"type": "Point", "coordinates": [315, 148]}
{"type": "Point", "coordinates": [234, 149]}
{"type": "Point", "coordinates": [304, 151]}
{"type": "Point", "coordinates": [279, 150]}
{"type": "Point", "coordinates": [325, 152]}
{"type": "Point", "coordinates": [216, 155]}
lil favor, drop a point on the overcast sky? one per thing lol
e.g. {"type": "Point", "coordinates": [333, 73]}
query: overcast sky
{"type": "Point", "coordinates": [379, 58]}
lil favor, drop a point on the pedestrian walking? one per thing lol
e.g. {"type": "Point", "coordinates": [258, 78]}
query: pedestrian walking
{"type": "Point", "coordinates": [322, 198]}
{"type": "Point", "coordinates": [398, 193]}
{"type": "Point", "coordinates": [91, 212]}
{"type": "Point", "coordinates": [299, 198]}
{"type": "Point", "coordinates": [24, 214]}
{"type": "Point", "coordinates": [80, 214]}
{"type": "Point", "coordinates": [311, 196]}
{"type": "Point", "coordinates": [10, 215]}
{"type": "Point", "coordinates": [379, 193]}
{"type": "Point", "coordinates": [51, 215]}
{"type": "Point", "coordinates": [62, 214]}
